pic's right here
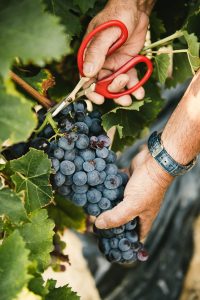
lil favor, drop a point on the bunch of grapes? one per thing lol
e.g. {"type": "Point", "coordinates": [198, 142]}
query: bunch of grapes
{"type": "Point", "coordinates": [87, 174]}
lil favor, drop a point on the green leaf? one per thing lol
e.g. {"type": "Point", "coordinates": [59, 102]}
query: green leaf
{"type": "Point", "coordinates": [193, 49]}
{"type": "Point", "coordinates": [41, 82]}
{"type": "Point", "coordinates": [11, 206]}
{"type": "Point", "coordinates": [122, 117]}
{"type": "Point", "coordinates": [162, 62]}
{"type": "Point", "coordinates": [38, 235]}
{"type": "Point", "coordinates": [29, 33]}
{"type": "Point", "coordinates": [13, 266]}
{"type": "Point", "coordinates": [37, 286]}
{"type": "Point", "coordinates": [60, 293]}
{"type": "Point", "coordinates": [181, 70]}
{"type": "Point", "coordinates": [66, 214]}
{"type": "Point", "coordinates": [64, 9]}
{"type": "Point", "coordinates": [157, 26]}
{"type": "Point", "coordinates": [32, 173]}
{"type": "Point", "coordinates": [84, 5]}
{"type": "Point", "coordinates": [15, 127]}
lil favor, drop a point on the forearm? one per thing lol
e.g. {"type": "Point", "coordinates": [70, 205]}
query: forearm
{"type": "Point", "coordinates": [181, 136]}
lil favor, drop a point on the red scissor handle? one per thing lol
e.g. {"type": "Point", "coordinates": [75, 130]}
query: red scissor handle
{"type": "Point", "coordinates": [123, 37]}
{"type": "Point", "coordinates": [102, 85]}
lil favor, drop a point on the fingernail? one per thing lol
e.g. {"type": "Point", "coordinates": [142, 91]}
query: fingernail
{"type": "Point", "coordinates": [100, 223]}
{"type": "Point", "coordinates": [88, 69]}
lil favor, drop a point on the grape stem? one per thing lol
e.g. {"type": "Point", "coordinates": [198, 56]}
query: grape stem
{"type": "Point", "coordinates": [47, 120]}
{"type": "Point", "coordinates": [29, 89]}
{"type": "Point", "coordinates": [161, 42]}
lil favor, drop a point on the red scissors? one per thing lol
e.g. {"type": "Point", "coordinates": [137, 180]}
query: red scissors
{"type": "Point", "coordinates": [101, 86]}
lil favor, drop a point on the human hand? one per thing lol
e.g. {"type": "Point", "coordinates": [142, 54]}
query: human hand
{"type": "Point", "coordinates": [96, 64]}
{"type": "Point", "coordinates": [143, 195]}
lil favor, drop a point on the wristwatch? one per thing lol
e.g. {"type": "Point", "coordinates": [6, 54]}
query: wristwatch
{"type": "Point", "coordinates": [163, 158]}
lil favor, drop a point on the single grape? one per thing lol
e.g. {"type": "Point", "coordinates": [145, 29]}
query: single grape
{"type": "Point", "coordinates": [68, 125]}
{"type": "Point", "coordinates": [142, 255]}
{"type": "Point", "coordinates": [48, 131]}
{"type": "Point", "coordinates": [93, 209]}
{"type": "Point", "coordinates": [114, 242]}
{"type": "Point", "coordinates": [73, 136]}
{"type": "Point", "coordinates": [124, 244]}
{"type": "Point", "coordinates": [70, 155]}
{"type": "Point", "coordinates": [80, 189]}
{"type": "Point", "coordinates": [58, 153]}
{"type": "Point", "coordinates": [132, 236]}
{"type": "Point", "coordinates": [111, 194]}
{"type": "Point", "coordinates": [104, 204]}
{"type": "Point", "coordinates": [59, 179]}
{"type": "Point", "coordinates": [127, 255]}
{"type": "Point", "coordinates": [79, 106]}
{"type": "Point", "coordinates": [104, 140]}
{"type": "Point", "coordinates": [131, 225]}
{"type": "Point", "coordinates": [93, 195]}
{"type": "Point", "coordinates": [88, 166]}
{"type": "Point", "coordinates": [118, 230]}
{"type": "Point", "coordinates": [136, 246]}
{"type": "Point", "coordinates": [78, 161]}
{"type": "Point", "coordinates": [111, 169]}
{"type": "Point", "coordinates": [102, 176]}
{"type": "Point", "coordinates": [79, 199]}
{"type": "Point", "coordinates": [94, 178]}
{"type": "Point", "coordinates": [100, 164]}
{"type": "Point", "coordinates": [112, 182]}
{"type": "Point", "coordinates": [55, 164]}
{"type": "Point", "coordinates": [102, 153]}
{"type": "Point", "coordinates": [112, 157]}
{"type": "Point", "coordinates": [104, 245]}
{"type": "Point", "coordinates": [64, 190]}
{"type": "Point", "coordinates": [88, 121]}
{"type": "Point", "coordinates": [81, 127]}
{"type": "Point", "coordinates": [67, 167]}
{"type": "Point", "coordinates": [82, 142]}
{"type": "Point", "coordinates": [67, 109]}
{"type": "Point", "coordinates": [133, 258]}
{"type": "Point", "coordinates": [114, 255]}
{"type": "Point", "coordinates": [96, 127]}
{"type": "Point", "coordinates": [65, 144]}
{"type": "Point", "coordinates": [95, 114]}
{"type": "Point", "coordinates": [124, 177]}
{"type": "Point", "coordinates": [80, 178]}
{"type": "Point", "coordinates": [87, 154]}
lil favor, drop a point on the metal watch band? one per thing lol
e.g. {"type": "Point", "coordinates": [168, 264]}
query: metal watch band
{"type": "Point", "coordinates": [159, 153]}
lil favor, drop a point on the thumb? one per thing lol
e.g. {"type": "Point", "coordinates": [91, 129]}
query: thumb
{"type": "Point", "coordinates": [119, 215]}
{"type": "Point", "coordinates": [97, 50]}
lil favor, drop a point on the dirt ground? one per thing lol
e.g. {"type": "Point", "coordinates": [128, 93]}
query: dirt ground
{"type": "Point", "coordinates": [191, 290]}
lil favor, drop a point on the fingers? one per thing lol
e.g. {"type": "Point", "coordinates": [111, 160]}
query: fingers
{"type": "Point", "coordinates": [95, 98]}
{"type": "Point", "coordinates": [97, 50]}
{"type": "Point", "coordinates": [145, 224]}
{"type": "Point", "coordinates": [120, 214]}
{"type": "Point", "coordinates": [133, 79]}
{"type": "Point", "coordinates": [118, 83]}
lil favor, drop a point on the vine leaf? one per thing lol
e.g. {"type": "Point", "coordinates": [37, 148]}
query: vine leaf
{"type": "Point", "coordinates": [162, 62]}
{"type": "Point", "coordinates": [122, 117]}
{"type": "Point", "coordinates": [41, 36]}
{"type": "Point", "coordinates": [84, 5]}
{"type": "Point", "coordinates": [66, 214]}
{"type": "Point", "coordinates": [11, 206]}
{"type": "Point", "coordinates": [31, 175]}
{"type": "Point", "coordinates": [193, 50]}
{"type": "Point", "coordinates": [60, 293]}
{"type": "Point", "coordinates": [14, 127]}
{"type": "Point", "coordinates": [38, 235]}
{"type": "Point", "coordinates": [69, 19]}
{"type": "Point", "coordinates": [13, 266]}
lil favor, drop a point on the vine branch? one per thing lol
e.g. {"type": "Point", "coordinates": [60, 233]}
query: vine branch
{"type": "Point", "coordinates": [29, 89]}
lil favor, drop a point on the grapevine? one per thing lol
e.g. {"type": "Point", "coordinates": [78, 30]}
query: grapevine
{"type": "Point", "coordinates": [54, 172]}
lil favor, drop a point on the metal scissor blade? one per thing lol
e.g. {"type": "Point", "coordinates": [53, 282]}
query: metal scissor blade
{"type": "Point", "coordinates": [71, 97]}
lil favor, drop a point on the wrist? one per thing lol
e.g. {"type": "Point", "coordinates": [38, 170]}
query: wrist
{"type": "Point", "coordinates": [157, 173]}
